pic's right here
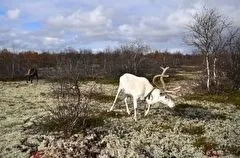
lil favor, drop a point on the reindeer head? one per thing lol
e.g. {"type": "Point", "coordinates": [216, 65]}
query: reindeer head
{"type": "Point", "coordinates": [161, 94]}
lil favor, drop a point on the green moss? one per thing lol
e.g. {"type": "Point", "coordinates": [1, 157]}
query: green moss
{"type": "Point", "coordinates": [193, 130]}
{"type": "Point", "coordinates": [238, 107]}
{"type": "Point", "coordinates": [111, 114]}
{"type": "Point", "coordinates": [14, 79]}
{"type": "Point", "coordinates": [43, 94]}
{"type": "Point", "coordinates": [71, 120]}
{"type": "Point", "coordinates": [94, 121]}
{"type": "Point", "coordinates": [205, 144]}
{"type": "Point", "coordinates": [107, 81]}
{"type": "Point", "coordinates": [68, 125]}
{"type": "Point", "coordinates": [231, 97]}
{"type": "Point", "coordinates": [188, 68]}
{"type": "Point", "coordinates": [199, 142]}
{"type": "Point", "coordinates": [166, 127]}
{"type": "Point", "coordinates": [221, 116]}
{"type": "Point", "coordinates": [100, 97]}
{"type": "Point", "coordinates": [101, 80]}
{"type": "Point", "coordinates": [234, 150]}
{"type": "Point", "coordinates": [176, 78]}
{"type": "Point", "coordinates": [185, 105]}
{"type": "Point", "coordinates": [3, 117]}
{"type": "Point", "coordinates": [138, 128]}
{"type": "Point", "coordinates": [162, 126]}
{"type": "Point", "coordinates": [12, 124]}
{"type": "Point", "coordinates": [42, 101]}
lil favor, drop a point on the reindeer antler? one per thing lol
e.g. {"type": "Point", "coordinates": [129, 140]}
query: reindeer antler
{"type": "Point", "coordinates": [171, 92]}
{"type": "Point", "coordinates": [161, 78]}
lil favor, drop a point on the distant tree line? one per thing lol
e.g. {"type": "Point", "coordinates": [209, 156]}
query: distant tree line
{"type": "Point", "coordinates": [110, 63]}
{"type": "Point", "coordinates": [134, 57]}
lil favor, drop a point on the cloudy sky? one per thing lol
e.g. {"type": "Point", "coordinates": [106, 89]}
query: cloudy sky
{"type": "Point", "coordinates": [97, 24]}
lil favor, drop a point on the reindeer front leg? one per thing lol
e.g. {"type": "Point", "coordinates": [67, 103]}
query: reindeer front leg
{"type": "Point", "coordinates": [147, 111]}
{"type": "Point", "coordinates": [125, 100]}
{"type": "Point", "coordinates": [135, 108]}
{"type": "Point", "coordinates": [119, 89]}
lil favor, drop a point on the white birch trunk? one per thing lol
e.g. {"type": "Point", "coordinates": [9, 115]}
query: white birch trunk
{"type": "Point", "coordinates": [214, 70]}
{"type": "Point", "coordinates": [208, 73]}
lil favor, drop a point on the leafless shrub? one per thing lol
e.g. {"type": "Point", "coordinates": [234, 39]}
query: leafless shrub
{"type": "Point", "coordinates": [71, 112]}
{"type": "Point", "coordinates": [66, 118]}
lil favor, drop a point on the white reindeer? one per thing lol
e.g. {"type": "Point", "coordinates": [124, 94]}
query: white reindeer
{"type": "Point", "coordinates": [141, 88]}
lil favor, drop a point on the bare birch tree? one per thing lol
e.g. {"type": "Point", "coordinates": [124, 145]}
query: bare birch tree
{"type": "Point", "coordinates": [207, 33]}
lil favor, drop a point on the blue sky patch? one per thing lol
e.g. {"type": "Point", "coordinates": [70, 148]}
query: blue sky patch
{"type": "Point", "coordinates": [32, 26]}
{"type": "Point", "coordinates": [2, 11]}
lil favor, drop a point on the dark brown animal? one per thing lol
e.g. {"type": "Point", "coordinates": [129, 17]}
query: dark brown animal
{"type": "Point", "coordinates": [32, 72]}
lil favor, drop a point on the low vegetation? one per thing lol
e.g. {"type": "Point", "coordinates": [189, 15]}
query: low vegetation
{"type": "Point", "coordinates": [235, 150]}
{"type": "Point", "coordinates": [66, 118]}
{"type": "Point", "coordinates": [70, 119]}
{"type": "Point", "coordinates": [193, 130]}
{"type": "Point", "coordinates": [186, 105]}
{"type": "Point", "coordinates": [100, 97]}
{"type": "Point", "coordinates": [107, 81]}
{"type": "Point", "coordinates": [224, 97]}
{"type": "Point", "coordinates": [205, 144]}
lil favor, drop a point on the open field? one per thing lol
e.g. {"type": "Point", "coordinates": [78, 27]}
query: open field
{"type": "Point", "coordinates": [20, 103]}
{"type": "Point", "coordinates": [195, 128]}
{"type": "Point", "coordinates": [174, 66]}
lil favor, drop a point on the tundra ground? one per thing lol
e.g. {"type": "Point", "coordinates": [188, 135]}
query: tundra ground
{"type": "Point", "coordinates": [193, 129]}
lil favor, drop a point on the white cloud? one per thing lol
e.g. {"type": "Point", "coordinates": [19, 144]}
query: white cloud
{"type": "Point", "coordinates": [87, 22]}
{"type": "Point", "coordinates": [52, 41]}
{"type": "Point", "coordinates": [95, 50]}
{"type": "Point", "coordinates": [159, 28]}
{"type": "Point", "coordinates": [95, 24]}
{"type": "Point", "coordinates": [180, 18]}
{"type": "Point", "coordinates": [149, 28]}
{"type": "Point", "coordinates": [174, 50]}
{"type": "Point", "coordinates": [13, 14]}
{"type": "Point", "coordinates": [126, 29]}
